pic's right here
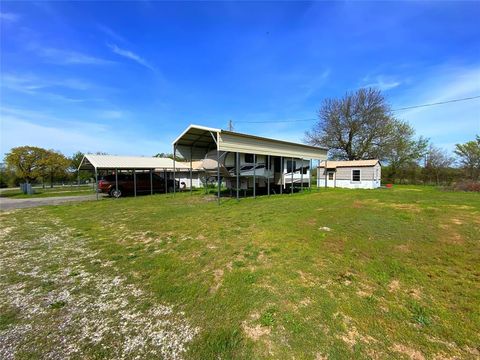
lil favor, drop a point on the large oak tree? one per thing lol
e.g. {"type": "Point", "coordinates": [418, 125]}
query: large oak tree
{"type": "Point", "coordinates": [26, 161]}
{"type": "Point", "coordinates": [361, 126]}
{"type": "Point", "coordinates": [31, 163]}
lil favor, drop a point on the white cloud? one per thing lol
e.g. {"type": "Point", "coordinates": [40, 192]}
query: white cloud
{"type": "Point", "coordinates": [381, 82]}
{"type": "Point", "coordinates": [448, 123]}
{"type": "Point", "coordinates": [112, 34]}
{"type": "Point", "coordinates": [29, 82]}
{"type": "Point", "coordinates": [44, 87]}
{"type": "Point", "coordinates": [131, 55]}
{"type": "Point", "coordinates": [111, 114]}
{"type": "Point", "coordinates": [21, 127]}
{"type": "Point", "coordinates": [9, 17]}
{"type": "Point", "coordinates": [68, 57]}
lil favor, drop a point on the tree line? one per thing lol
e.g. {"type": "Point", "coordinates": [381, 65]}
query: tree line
{"type": "Point", "coordinates": [361, 125]}
{"type": "Point", "coordinates": [33, 164]}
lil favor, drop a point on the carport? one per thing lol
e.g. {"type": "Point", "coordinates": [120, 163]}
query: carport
{"type": "Point", "coordinates": [134, 165]}
{"type": "Point", "coordinates": [196, 141]}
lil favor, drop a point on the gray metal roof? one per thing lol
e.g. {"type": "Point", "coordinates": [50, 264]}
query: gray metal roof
{"type": "Point", "coordinates": [332, 164]}
{"type": "Point", "coordinates": [197, 140]}
{"type": "Point", "coordinates": [92, 161]}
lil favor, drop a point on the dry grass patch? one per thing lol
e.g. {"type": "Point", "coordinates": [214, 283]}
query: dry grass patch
{"type": "Point", "coordinates": [394, 286]}
{"type": "Point", "coordinates": [457, 221]}
{"type": "Point", "coordinates": [411, 353]}
{"type": "Point", "coordinates": [415, 293]}
{"type": "Point", "coordinates": [217, 280]}
{"type": "Point", "coordinates": [403, 248]}
{"type": "Point", "coordinates": [63, 292]}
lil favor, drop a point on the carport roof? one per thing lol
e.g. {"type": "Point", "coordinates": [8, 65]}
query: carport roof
{"type": "Point", "coordinates": [197, 140]}
{"type": "Point", "coordinates": [197, 136]}
{"type": "Point", "coordinates": [92, 161]}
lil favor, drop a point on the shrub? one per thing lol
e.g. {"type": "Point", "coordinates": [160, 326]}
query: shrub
{"type": "Point", "coordinates": [467, 186]}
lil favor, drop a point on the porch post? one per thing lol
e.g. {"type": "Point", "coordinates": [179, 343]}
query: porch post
{"type": "Point", "coordinates": [237, 170]}
{"type": "Point", "coordinates": [310, 176]}
{"type": "Point", "coordinates": [291, 190]}
{"type": "Point", "coordinates": [191, 175]}
{"type": "Point", "coordinates": [116, 179]}
{"type": "Point", "coordinates": [268, 178]}
{"type": "Point", "coordinates": [165, 180]}
{"type": "Point", "coordinates": [325, 167]}
{"type": "Point", "coordinates": [301, 177]}
{"type": "Point", "coordinates": [134, 183]}
{"type": "Point", "coordinates": [281, 175]}
{"type": "Point", "coordinates": [151, 182]}
{"type": "Point", "coordinates": [96, 182]}
{"type": "Point", "coordinates": [218, 175]}
{"type": "Point", "coordinates": [254, 175]}
{"type": "Point", "coordinates": [174, 156]}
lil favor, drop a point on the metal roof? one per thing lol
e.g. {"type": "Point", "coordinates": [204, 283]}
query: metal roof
{"type": "Point", "coordinates": [197, 135]}
{"type": "Point", "coordinates": [92, 161]}
{"type": "Point", "coordinates": [348, 163]}
{"type": "Point", "coordinates": [197, 140]}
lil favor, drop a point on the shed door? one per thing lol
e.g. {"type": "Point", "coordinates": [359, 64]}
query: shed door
{"type": "Point", "coordinates": [330, 178]}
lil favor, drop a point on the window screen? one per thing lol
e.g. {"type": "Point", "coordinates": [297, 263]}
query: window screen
{"type": "Point", "coordinates": [355, 175]}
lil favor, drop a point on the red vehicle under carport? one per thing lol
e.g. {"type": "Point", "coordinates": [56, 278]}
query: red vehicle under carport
{"type": "Point", "coordinates": [127, 183]}
{"type": "Point", "coordinates": [123, 175]}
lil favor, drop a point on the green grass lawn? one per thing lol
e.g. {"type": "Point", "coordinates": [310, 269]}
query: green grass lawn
{"type": "Point", "coordinates": [48, 192]}
{"type": "Point", "coordinates": [331, 274]}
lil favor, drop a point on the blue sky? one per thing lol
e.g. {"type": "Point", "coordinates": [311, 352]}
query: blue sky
{"type": "Point", "coordinates": [127, 78]}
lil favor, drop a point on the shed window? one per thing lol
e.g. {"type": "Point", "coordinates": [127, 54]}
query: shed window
{"type": "Point", "coordinates": [330, 176]}
{"type": "Point", "coordinates": [355, 175]}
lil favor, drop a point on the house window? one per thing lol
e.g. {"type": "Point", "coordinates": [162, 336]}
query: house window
{"type": "Point", "coordinates": [249, 158]}
{"type": "Point", "coordinates": [355, 175]}
{"type": "Point", "coordinates": [330, 176]}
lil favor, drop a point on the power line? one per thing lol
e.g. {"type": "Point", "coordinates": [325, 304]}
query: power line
{"type": "Point", "coordinates": [399, 109]}
{"type": "Point", "coordinates": [275, 121]}
{"type": "Point", "coordinates": [437, 103]}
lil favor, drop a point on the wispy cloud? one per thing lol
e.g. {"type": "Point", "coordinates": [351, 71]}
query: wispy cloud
{"type": "Point", "coordinates": [21, 127]}
{"type": "Point", "coordinates": [132, 56]}
{"type": "Point", "coordinates": [69, 57]}
{"type": "Point", "coordinates": [47, 88]}
{"type": "Point", "coordinates": [29, 82]}
{"type": "Point", "coordinates": [111, 114]}
{"type": "Point", "coordinates": [112, 34]}
{"type": "Point", "coordinates": [9, 16]}
{"type": "Point", "coordinates": [381, 82]}
{"type": "Point", "coordinates": [442, 123]}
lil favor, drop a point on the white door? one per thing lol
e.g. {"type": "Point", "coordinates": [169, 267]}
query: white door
{"type": "Point", "coordinates": [330, 179]}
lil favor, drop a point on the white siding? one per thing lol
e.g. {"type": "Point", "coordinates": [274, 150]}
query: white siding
{"type": "Point", "coordinates": [370, 177]}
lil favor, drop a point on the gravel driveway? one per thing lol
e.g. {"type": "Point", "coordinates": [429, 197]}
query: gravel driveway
{"type": "Point", "coordinates": [10, 204]}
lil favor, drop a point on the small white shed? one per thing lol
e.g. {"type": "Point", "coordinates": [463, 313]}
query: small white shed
{"type": "Point", "coordinates": [353, 174]}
